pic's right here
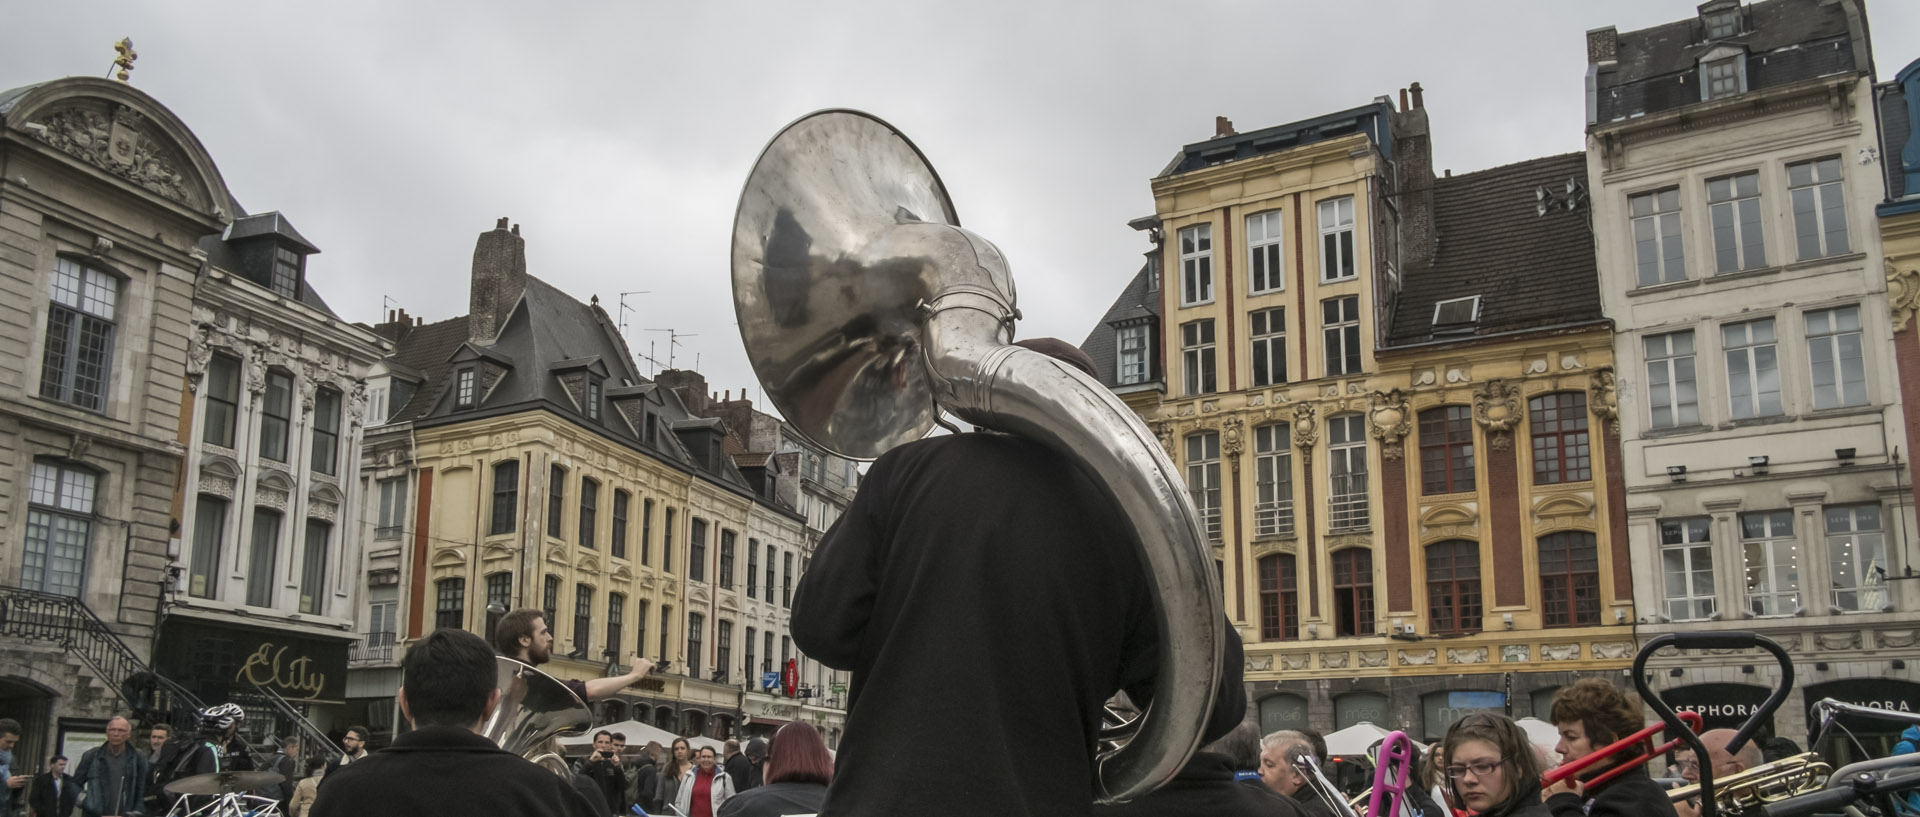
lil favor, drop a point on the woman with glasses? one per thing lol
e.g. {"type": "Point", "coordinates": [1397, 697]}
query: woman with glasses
{"type": "Point", "coordinates": [1591, 714]}
{"type": "Point", "coordinates": [1490, 767]}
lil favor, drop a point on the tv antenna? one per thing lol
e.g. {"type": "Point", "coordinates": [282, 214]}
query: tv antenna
{"type": "Point", "coordinates": [673, 339]}
{"type": "Point", "coordinates": [624, 309]}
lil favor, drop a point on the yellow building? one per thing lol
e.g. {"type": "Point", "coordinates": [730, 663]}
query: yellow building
{"type": "Point", "coordinates": [1359, 430]}
{"type": "Point", "coordinates": [546, 472]}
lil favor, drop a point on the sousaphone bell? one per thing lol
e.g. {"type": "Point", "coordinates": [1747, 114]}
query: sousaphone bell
{"type": "Point", "coordinates": [867, 312]}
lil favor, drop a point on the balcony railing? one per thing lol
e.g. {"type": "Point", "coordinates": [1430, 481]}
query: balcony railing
{"type": "Point", "coordinates": [1273, 518]}
{"type": "Point", "coordinates": [1210, 519]}
{"type": "Point", "coordinates": [374, 648]}
{"type": "Point", "coordinates": [1347, 502]}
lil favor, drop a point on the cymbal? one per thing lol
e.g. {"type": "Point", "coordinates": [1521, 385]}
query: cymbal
{"type": "Point", "coordinates": [225, 782]}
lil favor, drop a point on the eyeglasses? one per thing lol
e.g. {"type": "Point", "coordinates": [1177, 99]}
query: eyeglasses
{"type": "Point", "coordinates": [1483, 769]}
{"type": "Point", "coordinates": [1688, 765]}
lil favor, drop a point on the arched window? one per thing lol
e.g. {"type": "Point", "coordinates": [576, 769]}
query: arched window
{"type": "Point", "coordinates": [1560, 449]}
{"type": "Point", "coordinates": [1353, 591]}
{"type": "Point", "coordinates": [1453, 586]}
{"type": "Point", "coordinates": [1279, 598]}
{"type": "Point", "coordinates": [1446, 450]}
{"type": "Point", "coordinates": [1569, 579]}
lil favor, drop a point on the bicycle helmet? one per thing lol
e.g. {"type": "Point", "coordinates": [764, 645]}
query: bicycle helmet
{"type": "Point", "coordinates": [220, 717]}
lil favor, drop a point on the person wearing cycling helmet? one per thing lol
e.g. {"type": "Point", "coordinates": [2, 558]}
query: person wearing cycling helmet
{"type": "Point", "coordinates": [220, 748]}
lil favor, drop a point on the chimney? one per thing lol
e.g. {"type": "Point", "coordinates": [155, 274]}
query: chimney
{"type": "Point", "coordinates": [1603, 45]}
{"type": "Point", "coordinates": [499, 276]}
{"type": "Point", "coordinates": [396, 326]}
{"type": "Point", "coordinates": [1403, 100]}
{"type": "Point", "coordinates": [1222, 126]}
{"type": "Point", "coordinates": [690, 385]}
{"type": "Point", "coordinates": [1413, 179]}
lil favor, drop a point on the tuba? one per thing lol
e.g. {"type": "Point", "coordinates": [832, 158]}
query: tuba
{"type": "Point", "coordinates": [534, 708]}
{"type": "Point", "coordinates": [868, 312]}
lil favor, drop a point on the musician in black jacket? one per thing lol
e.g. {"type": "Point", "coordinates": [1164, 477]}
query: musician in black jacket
{"type": "Point", "coordinates": [1590, 714]}
{"type": "Point", "coordinates": [444, 766]}
{"type": "Point", "coordinates": [1490, 767]}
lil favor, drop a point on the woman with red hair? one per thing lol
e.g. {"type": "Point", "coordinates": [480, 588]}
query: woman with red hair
{"type": "Point", "coordinates": [798, 771]}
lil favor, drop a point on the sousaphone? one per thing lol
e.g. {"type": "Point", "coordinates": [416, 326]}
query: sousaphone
{"type": "Point", "coordinates": [868, 312]}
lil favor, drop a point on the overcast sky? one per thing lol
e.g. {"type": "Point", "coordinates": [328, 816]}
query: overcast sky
{"type": "Point", "coordinates": [618, 134]}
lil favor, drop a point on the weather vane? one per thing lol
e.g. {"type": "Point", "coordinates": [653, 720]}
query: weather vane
{"type": "Point", "coordinates": [125, 61]}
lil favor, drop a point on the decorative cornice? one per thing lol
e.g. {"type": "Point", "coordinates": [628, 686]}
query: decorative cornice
{"type": "Point", "coordinates": [118, 145]}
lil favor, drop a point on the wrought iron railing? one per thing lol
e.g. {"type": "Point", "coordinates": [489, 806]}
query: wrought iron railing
{"type": "Point", "coordinates": [1347, 502]}
{"type": "Point", "coordinates": [1274, 518]}
{"type": "Point", "coordinates": [1210, 520]}
{"type": "Point", "coordinates": [311, 738]}
{"type": "Point", "coordinates": [372, 648]}
{"type": "Point", "coordinates": [68, 623]}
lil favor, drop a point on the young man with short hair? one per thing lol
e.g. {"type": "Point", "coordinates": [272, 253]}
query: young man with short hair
{"type": "Point", "coordinates": [53, 793]}
{"type": "Point", "coordinates": [355, 744]}
{"type": "Point", "coordinates": [9, 781]}
{"type": "Point", "coordinates": [448, 689]}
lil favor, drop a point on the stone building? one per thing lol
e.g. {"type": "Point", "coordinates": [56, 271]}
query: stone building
{"type": "Point", "coordinates": [105, 196]}
{"type": "Point", "coordinates": [1733, 157]}
{"type": "Point", "coordinates": [523, 461]}
{"type": "Point", "coordinates": [1370, 470]}
{"type": "Point", "coordinates": [269, 558]}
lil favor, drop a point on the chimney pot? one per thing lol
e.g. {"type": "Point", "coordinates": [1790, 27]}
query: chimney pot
{"type": "Point", "coordinates": [499, 277]}
{"type": "Point", "coordinates": [1603, 45]}
{"type": "Point", "coordinates": [1403, 100]}
{"type": "Point", "coordinates": [1415, 90]}
{"type": "Point", "coordinates": [501, 224]}
{"type": "Point", "coordinates": [1222, 126]}
{"type": "Point", "coordinates": [516, 229]}
{"type": "Point", "coordinates": [418, 321]}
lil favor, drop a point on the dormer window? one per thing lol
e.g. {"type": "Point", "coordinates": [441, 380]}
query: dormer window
{"type": "Point", "coordinates": [1723, 79]}
{"type": "Point", "coordinates": [1456, 315]}
{"type": "Point", "coordinates": [286, 272]}
{"type": "Point", "coordinates": [1723, 24]}
{"type": "Point", "coordinates": [593, 400]}
{"type": "Point", "coordinates": [463, 389]}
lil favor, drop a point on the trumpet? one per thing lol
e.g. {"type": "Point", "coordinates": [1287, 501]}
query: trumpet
{"type": "Point", "coordinates": [1566, 770]}
{"type": "Point", "coordinates": [1766, 783]}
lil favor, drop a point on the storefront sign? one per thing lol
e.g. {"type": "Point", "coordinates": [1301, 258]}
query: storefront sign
{"type": "Point", "coordinates": [213, 659]}
{"type": "Point", "coordinates": [1282, 711]}
{"type": "Point", "coordinates": [1877, 693]}
{"type": "Point", "coordinates": [1875, 735]}
{"type": "Point", "coordinates": [1720, 706]}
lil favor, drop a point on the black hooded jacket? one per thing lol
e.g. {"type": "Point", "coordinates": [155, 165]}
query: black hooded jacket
{"type": "Point", "coordinates": [445, 770]}
{"type": "Point", "coordinates": [1632, 794]}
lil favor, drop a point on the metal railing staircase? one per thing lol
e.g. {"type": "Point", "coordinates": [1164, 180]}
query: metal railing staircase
{"type": "Point", "coordinates": [34, 616]}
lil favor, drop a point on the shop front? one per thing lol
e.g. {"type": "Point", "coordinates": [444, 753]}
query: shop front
{"type": "Point", "coordinates": [1722, 706]}
{"type": "Point", "coordinates": [221, 661]}
{"type": "Point", "coordinates": [1850, 738]}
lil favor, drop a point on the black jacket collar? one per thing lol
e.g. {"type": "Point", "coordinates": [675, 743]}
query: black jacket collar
{"type": "Point", "coordinates": [441, 739]}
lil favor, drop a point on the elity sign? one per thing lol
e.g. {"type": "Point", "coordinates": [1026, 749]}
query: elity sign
{"type": "Point", "coordinates": [213, 659]}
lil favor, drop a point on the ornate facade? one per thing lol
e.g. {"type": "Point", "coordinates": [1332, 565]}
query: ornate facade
{"type": "Point", "coordinates": [1734, 163]}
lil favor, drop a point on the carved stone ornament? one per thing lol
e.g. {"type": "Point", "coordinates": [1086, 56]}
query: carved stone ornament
{"type": "Point", "coordinates": [1612, 649]}
{"type": "Point", "coordinates": [274, 498]}
{"type": "Point", "coordinates": [1476, 655]}
{"type": "Point", "coordinates": [1259, 663]}
{"type": "Point", "coordinates": [309, 383]}
{"type": "Point", "coordinates": [1560, 652]}
{"type": "Point", "coordinates": [1233, 437]}
{"type": "Point", "coordinates": [119, 146]}
{"type": "Point", "coordinates": [1164, 430]}
{"type": "Point", "coordinates": [1496, 406]}
{"type": "Point", "coordinates": [1845, 640]}
{"type": "Point", "coordinates": [1897, 639]}
{"type": "Point", "coordinates": [1603, 398]}
{"type": "Point", "coordinates": [323, 511]}
{"type": "Point", "coordinates": [1516, 653]}
{"type": "Point", "coordinates": [1389, 421]}
{"type": "Point", "coordinates": [216, 484]}
{"type": "Point", "coordinates": [357, 401]}
{"type": "Point", "coordinates": [1903, 294]}
{"type": "Point", "coordinates": [257, 365]}
{"type": "Point", "coordinates": [1418, 658]}
{"type": "Point", "coordinates": [1306, 428]}
{"type": "Point", "coordinates": [1373, 658]}
{"type": "Point", "coordinates": [199, 352]}
{"type": "Point", "coordinates": [1333, 660]}
{"type": "Point", "coordinates": [1295, 660]}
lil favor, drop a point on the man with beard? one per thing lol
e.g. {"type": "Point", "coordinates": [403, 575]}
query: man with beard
{"type": "Point", "coordinates": [603, 768]}
{"type": "Point", "coordinates": [354, 744]}
{"type": "Point", "coordinates": [523, 636]}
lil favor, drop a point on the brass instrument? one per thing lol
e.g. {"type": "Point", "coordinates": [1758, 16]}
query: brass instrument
{"type": "Point", "coordinates": [1309, 768]}
{"type": "Point", "coordinates": [1393, 774]}
{"type": "Point", "coordinates": [1766, 783]}
{"type": "Point", "coordinates": [534, 709]}
{"type": "Point", "coordinates": [868, 313]}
